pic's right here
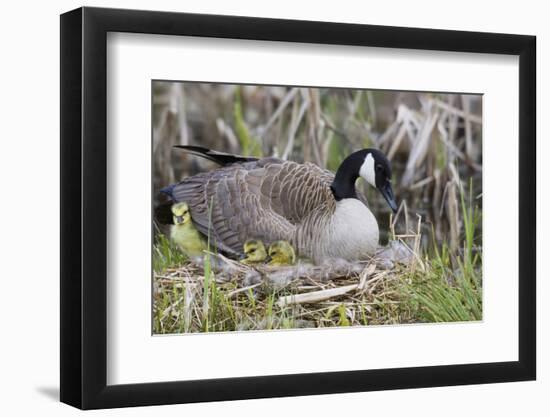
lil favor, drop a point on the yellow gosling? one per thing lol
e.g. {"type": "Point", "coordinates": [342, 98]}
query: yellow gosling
{"type": "Point", "coordinates": [281, 253]}
{"type": "Point", "coordinates": [254, 252]}
{"type": "Point", "coordinates": [184, 234]}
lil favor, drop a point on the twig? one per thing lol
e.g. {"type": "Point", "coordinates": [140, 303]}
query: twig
{"type": "Point", "coordinates": [315, 296]}
{"type": "Point", "coordinates": [243, 289]}
{"type": "Point", "coordinates": [367, 272]}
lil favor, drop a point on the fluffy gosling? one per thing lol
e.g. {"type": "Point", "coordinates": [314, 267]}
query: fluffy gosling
{"type": "Point", "coordinates": [184, 234]}
{"type": "Point", "coordinates": [254, 252]}
{"type": "Point", "coordinates": [281, 253]}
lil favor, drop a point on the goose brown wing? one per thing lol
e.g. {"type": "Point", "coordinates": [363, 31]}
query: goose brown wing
{"type": "Point", "coordinates": [264, 199]}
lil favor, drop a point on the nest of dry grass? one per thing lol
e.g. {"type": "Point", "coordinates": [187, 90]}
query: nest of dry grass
{"type": "Point", "coordinates": [221, 294]}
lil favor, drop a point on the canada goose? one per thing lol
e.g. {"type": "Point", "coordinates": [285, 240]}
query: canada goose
{"type": "Point", "coordinates": [281, 253]}
{"type": "Point", "coordinates": [254, 252]}
{"type": "Point", "coordinates": [319, 213]}
{"type": "Point", "coordinates": [184, 234]}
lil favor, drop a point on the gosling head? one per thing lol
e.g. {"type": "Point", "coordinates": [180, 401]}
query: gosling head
{"type": "Point", "coordinates": [181, 214]}
{"type": "Point", "coordinates": [369, 164]}
{"type": "Point", "coordinates": [281, 253]}
{"type": "Point", "coordinates": [254, 252]}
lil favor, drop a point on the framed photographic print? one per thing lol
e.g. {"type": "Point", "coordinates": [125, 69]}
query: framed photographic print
{"type": "Point", "coordinates": [258, 208]}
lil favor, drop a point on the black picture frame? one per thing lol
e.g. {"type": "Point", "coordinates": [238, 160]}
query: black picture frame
{"type": "Point", "coordinates": [84, 207]}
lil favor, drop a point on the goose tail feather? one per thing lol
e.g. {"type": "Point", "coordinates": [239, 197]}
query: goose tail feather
{"type": "Point", "coordinates": [220, 158]}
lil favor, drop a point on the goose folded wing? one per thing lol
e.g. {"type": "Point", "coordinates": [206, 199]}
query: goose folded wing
{"type": "Point", "coordinates": [228, 204]}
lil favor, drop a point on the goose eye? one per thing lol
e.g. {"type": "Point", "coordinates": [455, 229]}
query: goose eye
{"type": "Point", "coordinates": [378, 168]}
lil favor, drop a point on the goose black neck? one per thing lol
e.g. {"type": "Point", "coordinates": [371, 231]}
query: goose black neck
{"type": "Point", "coordinates": [343, 185]}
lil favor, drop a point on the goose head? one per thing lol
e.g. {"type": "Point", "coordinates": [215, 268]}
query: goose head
{"type": "Point", "coordinates": [254, 252]}
{"type": "Point", "coordinates": [180, 213]}
{"type": "Point", "coordinates": [369, 164]}
{"type": "Point", "coordinates": [281, 253]}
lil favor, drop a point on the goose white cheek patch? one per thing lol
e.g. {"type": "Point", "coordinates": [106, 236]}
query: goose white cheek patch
{"type": "Point", "coordinates": [367, 170]}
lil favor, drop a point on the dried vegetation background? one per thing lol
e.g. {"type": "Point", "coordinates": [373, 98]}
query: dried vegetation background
{"type": "Point", "coordinates": [434, 142]}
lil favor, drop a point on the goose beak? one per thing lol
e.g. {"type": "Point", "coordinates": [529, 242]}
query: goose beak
{"type": "Point", "coordinates": [387, 192]}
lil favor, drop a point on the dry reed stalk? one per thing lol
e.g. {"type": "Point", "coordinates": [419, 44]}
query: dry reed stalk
{"type": "Point", "coordinates": [294, 124]}
{"type": "Point", "coordinates": [178, 107]}
{"type": "Point", "coordinates": [162, 154]}
{"type": "Point", "coordinates": [468, 127]}
{"type": "Point", "coordinates": [314, 126]}
{"type": "Point", "coordinates": [406, 214]}
{"type": "Point", "coordinates": [397, 141]}
{"type": "Point", "coordinates": [421, 183]}
{"type": "Point", "coordinates": [460, 113]}
{"type": "Point", "coordinates": [353, 106]}
{"type": "Point", "coordinates": [284, 103]}
{"type": "Point", "coordinates": [187, 307]}
{"type": "Point", "coordinates": [372, 105]}
{"type": "Point", "coordinates": [315, 296]}
{"type": "Point", "coordinates": [419, 149]}
{"type": "Point", "coordinates": [389, 133]}
{"type": "Point", "coordinates": [452, 215]}
{"type": "Point", "coordinates": [416, 250]}
{"type": "Point", "coordinates": [226, 132]}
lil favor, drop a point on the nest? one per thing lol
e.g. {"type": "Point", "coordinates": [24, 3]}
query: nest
{"type": "Point", "coordinates": [220, 294]}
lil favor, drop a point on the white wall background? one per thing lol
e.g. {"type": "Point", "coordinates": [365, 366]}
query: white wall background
{"type": "Point", "coordinates": [29, 219]}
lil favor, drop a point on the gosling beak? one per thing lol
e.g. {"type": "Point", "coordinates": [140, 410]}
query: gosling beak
{"type": "Point", "coordinates": [268, 259]}
{"type": "Point", "coordinates": [242, 256]}
{"type": "Point", "coordinates": [179, 219]}
{"type": "Point", "coordinates": [387, 192]}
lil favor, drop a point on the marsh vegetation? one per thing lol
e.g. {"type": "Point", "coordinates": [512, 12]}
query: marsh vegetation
{"type": "Point", "coordinates": [434, 142]}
